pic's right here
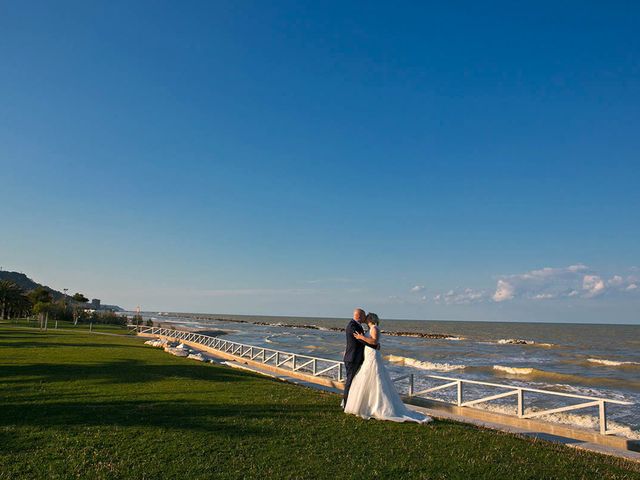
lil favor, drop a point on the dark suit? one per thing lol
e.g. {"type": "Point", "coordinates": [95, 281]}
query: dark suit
{"type": "Point", "coordinates": [353, 354]}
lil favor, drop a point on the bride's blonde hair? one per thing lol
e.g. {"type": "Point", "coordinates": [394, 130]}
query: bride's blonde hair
{"type": "Point", "coordinates": [373, 318]}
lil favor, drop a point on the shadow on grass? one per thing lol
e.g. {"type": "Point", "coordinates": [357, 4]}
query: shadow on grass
{"type": "Point", "coordinates": [171, 418]}
{"type": "Point", "coordinates": [176, 414]}
{"type": "Point", "coordinates": [11, 336]}
{"type": "Point", "coordinates": [61, 344]}
{"type": "Point", "coordinates": [117, 372]}
{"type": "Point", "coordinates": [65, 409]}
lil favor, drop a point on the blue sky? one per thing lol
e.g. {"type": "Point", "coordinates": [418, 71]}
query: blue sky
{"type": "Point", "coordinates": [467, 161]}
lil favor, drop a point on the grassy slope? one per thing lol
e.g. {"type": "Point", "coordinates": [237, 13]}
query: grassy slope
{"type": "Point", "coordinates": [96, 406]}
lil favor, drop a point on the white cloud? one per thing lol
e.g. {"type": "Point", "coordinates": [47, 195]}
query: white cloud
{"type": "Point", "coordinates": [504, 291]}
{"type": "Point", "coordinates": [557, 282]}
{"type": "Point", "coordinates": [580, 267]}
{"type": "Point", "coordinates": [573, 281]}
{"type": "Point", "coordinates": [417, 288]}
{"type": "Point", "coordinates": [593, 284]}
{"type": "Point", "coordinates": [543, 296]}
{"type": "Point", "coordinates": [615, 281]}
{"type": "Point", "coordinates": [460, 297]}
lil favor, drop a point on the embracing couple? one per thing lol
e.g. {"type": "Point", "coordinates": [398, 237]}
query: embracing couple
{"type": "Point", "coordinates": [369, 391]}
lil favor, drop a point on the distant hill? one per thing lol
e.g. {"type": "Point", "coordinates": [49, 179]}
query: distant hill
{"type": "Point", "coordinates": [27, 284]}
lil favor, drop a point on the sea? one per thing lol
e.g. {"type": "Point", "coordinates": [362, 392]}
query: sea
{"type": "Point", "coordinates": [585, 359]}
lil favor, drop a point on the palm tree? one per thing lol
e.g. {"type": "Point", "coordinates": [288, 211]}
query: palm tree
{"type": "Point", "coordinates": [40, 295]}
{"type": "Point", "coordinates": [11, 299]}
{"type": "Point", "coordinates": [41, 299]}
{"type": "Point", "coordinates": [21, 307]}
{"type": "Point", "coordinates": [79, 300]}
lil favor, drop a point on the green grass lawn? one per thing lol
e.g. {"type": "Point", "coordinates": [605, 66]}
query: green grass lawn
{"type": "Point", "coordinates": [80, 405]}
{"type": "Point", "coordinates": [66, 325]}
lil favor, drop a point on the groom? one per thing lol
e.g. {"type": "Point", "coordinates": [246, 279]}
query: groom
{"type": "Point", "coordinates": [354, 353]}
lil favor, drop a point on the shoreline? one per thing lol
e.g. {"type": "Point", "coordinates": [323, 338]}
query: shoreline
{"type": "Point", "coordinates": [431, 336]}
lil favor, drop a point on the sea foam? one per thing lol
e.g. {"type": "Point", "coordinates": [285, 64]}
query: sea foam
{"type": "Point", "coordinates": [514, 370]}
{"type": "Point", "coordinates": [422, 365]}
{"type": "Point", "coordinates": [566, 418]}
{"type": "Point", "coordinates": [611, 363]}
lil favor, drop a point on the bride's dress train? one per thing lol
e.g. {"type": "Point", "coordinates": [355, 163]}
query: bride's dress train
{"type": "Point", "coordinates": [373, 394]}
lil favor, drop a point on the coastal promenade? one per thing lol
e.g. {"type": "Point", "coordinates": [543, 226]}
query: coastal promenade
{"type": "Point", "coordinates": [330, 374]}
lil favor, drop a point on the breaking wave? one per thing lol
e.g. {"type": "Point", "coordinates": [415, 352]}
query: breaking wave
{"type": "Point", "coordinates": [565, 378]}
{"type": "Point", "coordinates": [612, 363]}
{"type": "Point", "coordinates": [422, 365]}
{"type": "Point", "coordinates": [514, 370]}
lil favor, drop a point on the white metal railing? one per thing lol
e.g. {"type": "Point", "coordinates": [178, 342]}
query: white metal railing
{"type": "Point", "coordinates": [334, 369]}
{"type": "Point", "coordinates": [518, 392]}
{"type": "Point", "coordinates": [317, 367]}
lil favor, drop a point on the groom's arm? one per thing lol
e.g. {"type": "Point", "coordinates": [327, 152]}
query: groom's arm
{"type": "Point", "coordinates": [364, 342]}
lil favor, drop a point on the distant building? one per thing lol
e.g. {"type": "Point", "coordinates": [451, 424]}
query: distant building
{"type": "Point", "coordinates": [95, 304]}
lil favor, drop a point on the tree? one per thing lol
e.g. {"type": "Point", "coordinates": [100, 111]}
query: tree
{"type": "Point", "coordinates": [12, 300]}
{"type": "Point", "coordinates": [42, 309]}
{"type": "Point", "coordinates": [40, 295]}
{"type": "Point", "coordinates": [41, 299]}
{"type": "Point", "coordinates": [20, 307]}
{"type": "Point", "coordinates": [78, 299]}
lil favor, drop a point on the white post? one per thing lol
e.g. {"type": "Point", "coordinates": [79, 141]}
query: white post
{"type": "Point", "coordinates": [459, 393]}
{"type": "Point", "coordinates": [520, 403]}
{"type": "Point", "coordinates": [603, 417]}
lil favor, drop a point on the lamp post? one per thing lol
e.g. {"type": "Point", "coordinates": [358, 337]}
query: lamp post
{"type": "Point", "coordinates": [64, 304]}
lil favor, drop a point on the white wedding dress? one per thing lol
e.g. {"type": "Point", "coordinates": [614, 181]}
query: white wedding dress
{"type": "Point", "coordinates": [373, 394]}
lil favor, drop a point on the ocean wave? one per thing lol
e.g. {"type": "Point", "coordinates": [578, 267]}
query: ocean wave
{"type": "Point", "coordinates": [274, 337]}
{"type": "Point", "coordinates": [514, 370]}
{"type": "Point", "coordinates": [564, 378]}
{"type": "Point", "coordinates": [612, 363]}
{"type": "Point", "coordinates": [422, 365]}
{"type": "Point", "coordinates": [578, 390]}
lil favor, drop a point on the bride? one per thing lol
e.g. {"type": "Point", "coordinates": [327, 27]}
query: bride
{"type": "Point", "coordinates": [372, 393]}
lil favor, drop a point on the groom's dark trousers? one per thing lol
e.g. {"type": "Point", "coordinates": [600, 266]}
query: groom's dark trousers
{"type": "Point", "coordinates": [353, 355]}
